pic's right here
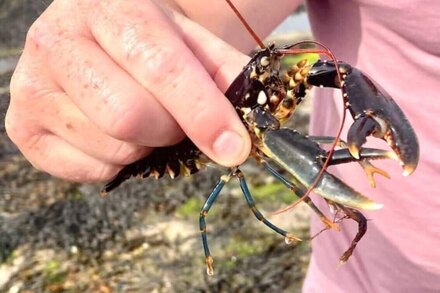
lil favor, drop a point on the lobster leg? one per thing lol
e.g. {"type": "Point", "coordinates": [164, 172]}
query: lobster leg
{"type": "Point", "coordinates": [300, 192]}
{"type": "Point", "coordinates": [204, 211]}
{"type": "Point", "coordinates": [362, 229]}
{"type": "Point", "coordinates": [249, 199]}
{"type": "Point", "coordinates": [348, 213]}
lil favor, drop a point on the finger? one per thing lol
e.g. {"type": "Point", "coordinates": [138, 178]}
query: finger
{"type": "Point", "coordinates": [47, 151]}
{"type": "Point", "coordinates": [221, 60]}
{"type": "Point", "coordinates": [104, 92]}
{"type": "Point", "coordinates": [50, 153]}
{"type": "Point", "coordinates": [144, 42]}
{"type": "Point", "coordinates": [42, 107]}
{"type": "Point", "coordinates": [77, 130]}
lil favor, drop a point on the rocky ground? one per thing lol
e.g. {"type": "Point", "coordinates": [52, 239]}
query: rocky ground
{"type": "Point", "coordinates": [57, 236]}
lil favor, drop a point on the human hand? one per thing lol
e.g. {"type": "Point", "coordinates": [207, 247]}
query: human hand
{"type": "Point", "coordinates": [100, 83]}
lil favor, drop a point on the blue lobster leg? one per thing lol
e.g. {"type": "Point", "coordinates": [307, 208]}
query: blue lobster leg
{"type": "Point", "coordinates": [250, 201]}
{"type": "Point", "coordinates": [202, 223]}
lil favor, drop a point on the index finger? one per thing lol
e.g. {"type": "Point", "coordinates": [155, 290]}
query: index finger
{"type": "Point", "coordinates": [143, 41]}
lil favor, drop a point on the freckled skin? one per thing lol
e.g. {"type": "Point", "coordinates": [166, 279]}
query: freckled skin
{"type": "Point", "coordinates": [69, 126]}
{"type": "Point", "coordinates": [69, 33]}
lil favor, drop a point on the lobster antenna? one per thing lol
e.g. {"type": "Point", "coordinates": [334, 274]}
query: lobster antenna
{"type": "Point", "coordinates": [246, 25]}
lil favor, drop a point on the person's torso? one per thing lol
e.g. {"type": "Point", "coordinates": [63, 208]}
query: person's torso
{"type": "Point", "coordinates": [397, 43]}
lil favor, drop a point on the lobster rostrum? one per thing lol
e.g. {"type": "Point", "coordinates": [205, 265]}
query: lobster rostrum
{"type": "Point", "coordinates": [265, 99]}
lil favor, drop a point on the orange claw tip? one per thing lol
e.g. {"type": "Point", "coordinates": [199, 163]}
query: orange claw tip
{"type": "Point", "coordinates": [341, 263]}
{"type": "Point", "coordinates": [330, 224]}
{"type": "Point", "coordinates": [408, 169]}
{"type": "Point", "coordinates": [354, 150]}
{"type": "Point", "coordinates": [365, 205]}
{"type": "Point", "coordinates": [362, 203]}
{"type": "Point", "coordinates": [373, 206]}
{"type": "Point", "coordinates": [103, 193]}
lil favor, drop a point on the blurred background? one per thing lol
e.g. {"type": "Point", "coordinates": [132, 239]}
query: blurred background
{"type": "Point", "coordinates": [57, 236]}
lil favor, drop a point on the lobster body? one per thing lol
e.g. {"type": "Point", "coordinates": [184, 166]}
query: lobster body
{"type": "Point", "coordinates": [264, 100]}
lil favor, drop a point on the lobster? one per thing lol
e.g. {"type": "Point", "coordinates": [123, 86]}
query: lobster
{"type": "Point", "coordinates": [264, 99]}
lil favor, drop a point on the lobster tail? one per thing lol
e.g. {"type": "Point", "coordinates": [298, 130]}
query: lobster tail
{"type": "Point", "coordinates": [182, 158]}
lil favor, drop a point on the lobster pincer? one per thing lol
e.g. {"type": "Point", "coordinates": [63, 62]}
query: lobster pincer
{"type": "Point", "coordinates": [373, 110]}
{"type": "Point", "coordinates": [303, 159]}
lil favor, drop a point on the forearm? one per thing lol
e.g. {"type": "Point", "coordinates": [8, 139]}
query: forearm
{"type": "Point", "coordinates": [262, 15]}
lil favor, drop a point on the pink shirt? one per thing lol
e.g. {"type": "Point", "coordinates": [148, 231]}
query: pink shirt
{"type": "Point", "coordinates": [397, 43]}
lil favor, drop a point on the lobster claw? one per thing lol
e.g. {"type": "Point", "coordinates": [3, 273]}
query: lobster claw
{"type": "Point", "coordinates": [373, 110]}
{"type": "Point", "coordinates": [303, 159]}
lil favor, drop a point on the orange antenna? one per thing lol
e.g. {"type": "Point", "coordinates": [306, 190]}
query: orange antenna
{"type": "Point", "coordinates": [246, 25]}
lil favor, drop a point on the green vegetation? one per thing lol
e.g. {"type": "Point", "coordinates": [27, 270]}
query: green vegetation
{"type": "Point", "coordinates": [290, 60]}
{"type": "Point", "coordinates": [190, 208]}
{"type": "Point", "coordinates": [274, 192]}
{"type": "Point", "coordinates": [53, 274]}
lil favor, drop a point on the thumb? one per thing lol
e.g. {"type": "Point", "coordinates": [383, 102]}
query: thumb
{"type": "Point", "coordinates": [224, 64]}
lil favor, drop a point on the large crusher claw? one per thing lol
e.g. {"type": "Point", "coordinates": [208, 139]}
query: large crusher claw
{"type": "Point", "coordinates": [373, 110]}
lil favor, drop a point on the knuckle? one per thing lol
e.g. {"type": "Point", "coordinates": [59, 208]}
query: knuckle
{"type": "Point", "coordinates": [50, 31]}
{"type": "Point", "coordinates": [140, 122]}
{"type": "Point", "coordinates": [33, 34]}
{"type": "Point", "coordinates": [41, 35]}
{"type": "Point", "coordinates": [22, 131]}
{"type": "Point", "coordinates": [161, 62]}
{"type": "Point", "coordinates": [200, 112]}
{"type": "Point", "coordinates": [23, 86]}
{"type": "Point", "coordinates": [13, 126]}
